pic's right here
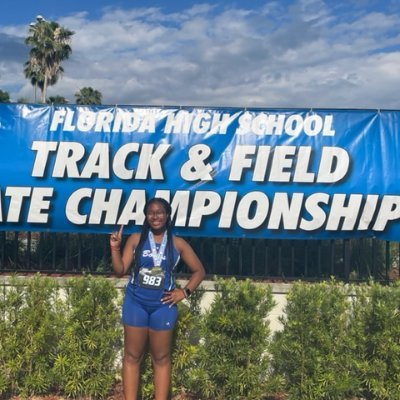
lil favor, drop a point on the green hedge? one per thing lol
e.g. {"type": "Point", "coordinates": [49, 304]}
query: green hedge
{"type": "Point", "coordinates": [337, 341]}
{"type": "Point", "coordinates": [232, 362]}
{"type": "Point", "coordinates": [59, 340]}
{"type": "Point", "coordinates": [314, 352]}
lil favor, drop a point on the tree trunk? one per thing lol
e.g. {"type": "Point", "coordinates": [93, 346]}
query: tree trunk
{"type": "Point", "coordinates": [44, 90]}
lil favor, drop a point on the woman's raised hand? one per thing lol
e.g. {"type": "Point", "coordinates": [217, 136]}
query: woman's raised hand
{"type": "Point", "coordinates": [115, 239]}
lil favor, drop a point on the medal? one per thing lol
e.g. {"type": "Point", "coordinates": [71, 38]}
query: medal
{"type": "Point", "coordinates": [157, 255]}
{"type": "Point", "coordinates": [153, 278]}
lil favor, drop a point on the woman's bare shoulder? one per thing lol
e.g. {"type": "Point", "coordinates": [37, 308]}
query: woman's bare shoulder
{"type": "Point", "coordinates": [180, 243]}
{"type": "Point", "coordinates": [133, 239]}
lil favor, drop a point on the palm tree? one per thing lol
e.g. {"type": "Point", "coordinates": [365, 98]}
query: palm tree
{"type": "Point", "coordinates": [57, 100]}
{"type": "Point", "coordinates": [32, 71]}
{"type": "Point", "coordinates": [4, 97]}
{"type": "Point", "coordinates": [88, 95]}
{"type": "Point", "coordinates": [49, 44]}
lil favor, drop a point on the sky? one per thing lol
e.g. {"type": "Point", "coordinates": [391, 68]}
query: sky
{"type": "Point", "coordinates": [253, 53]}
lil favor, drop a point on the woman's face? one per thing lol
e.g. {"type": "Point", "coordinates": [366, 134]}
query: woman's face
{"type": "Point", "coordinates": [156, 216]}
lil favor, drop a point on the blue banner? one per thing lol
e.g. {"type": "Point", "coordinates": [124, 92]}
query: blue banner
{"type": "Point", "coordinates": [228, 172]}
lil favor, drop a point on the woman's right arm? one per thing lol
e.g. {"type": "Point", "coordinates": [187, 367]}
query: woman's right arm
{"type": "Point", "coordinates": [121, 263]}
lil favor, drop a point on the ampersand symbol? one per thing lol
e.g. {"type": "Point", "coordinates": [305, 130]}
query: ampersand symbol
{"type": "Point", "coordinates": [196, 168]}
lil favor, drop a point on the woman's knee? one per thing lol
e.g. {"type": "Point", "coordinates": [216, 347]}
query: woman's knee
{"type": "Point", "coordinates": [163, 358]}
{"type": "Point", "coordinates": [132, 358]}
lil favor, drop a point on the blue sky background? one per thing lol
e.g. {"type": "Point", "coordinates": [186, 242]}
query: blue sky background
{"type": "Point", "coordinates": [291, 53]}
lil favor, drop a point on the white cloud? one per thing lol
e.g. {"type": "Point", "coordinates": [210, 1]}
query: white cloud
{"type": "Point", "coordinates": [304, 55]}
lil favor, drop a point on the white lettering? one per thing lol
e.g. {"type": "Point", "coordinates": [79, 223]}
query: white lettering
{"type": "Point", "coordinates": [252, 210]}
{"type": "Point", "coordinates": [277, 124]}
{"type": "Point", "coordinates": [389, 210]}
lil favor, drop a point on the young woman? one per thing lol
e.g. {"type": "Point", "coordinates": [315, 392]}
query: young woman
{"type": "Point", "coordinates": [149, 311]}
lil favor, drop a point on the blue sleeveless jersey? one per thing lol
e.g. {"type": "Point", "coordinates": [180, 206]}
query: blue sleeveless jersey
{"type": "Point", "coordinates": [152, 295]}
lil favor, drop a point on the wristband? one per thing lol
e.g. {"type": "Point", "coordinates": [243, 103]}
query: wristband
{"type": "Point", "coordinates": [187, 292]}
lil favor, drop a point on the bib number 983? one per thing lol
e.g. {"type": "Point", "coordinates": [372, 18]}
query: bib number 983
{"type": "Point", "coordinates": [151, 281]}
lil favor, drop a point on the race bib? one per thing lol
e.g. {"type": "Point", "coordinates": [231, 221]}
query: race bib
{"type": "Point", "coordinates": [151, 278]}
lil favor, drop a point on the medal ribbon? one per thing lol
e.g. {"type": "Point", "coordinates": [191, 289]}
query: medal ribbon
{"type": "Point", "coordinates": [157, 256]}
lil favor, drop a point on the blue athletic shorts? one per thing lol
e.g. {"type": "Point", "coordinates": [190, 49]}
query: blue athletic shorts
{"type": "Point", "coordinates": [160, 317]}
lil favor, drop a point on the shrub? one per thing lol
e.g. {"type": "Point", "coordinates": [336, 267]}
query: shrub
{"type": "Point", "coordinates": [29, 331]}
{"type": "Point", "coordinates": [232, 361]}
{"type": "Point", "coordinates": [67, 340]}
{"type": "Point", "coordinates": [86, 354]}
{"type": "Point", "coordinates": [313, 352]}
{"type": "Point", "coordinates": [376, 329]}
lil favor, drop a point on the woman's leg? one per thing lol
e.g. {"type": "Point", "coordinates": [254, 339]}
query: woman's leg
{"type": "Point", "coordinates": [160, 351]}
{"type": "Point", "coordinates": [135, 340]}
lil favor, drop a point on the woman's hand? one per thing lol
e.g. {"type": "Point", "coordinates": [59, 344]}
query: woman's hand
{"type": "Point", "coordinates": [172, 297]}
{"type": "Point", "coordinates": [115, 239]}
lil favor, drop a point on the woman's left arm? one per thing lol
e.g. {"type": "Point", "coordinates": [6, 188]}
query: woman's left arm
{"type": "Point", "coordinates": [196, 268]}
